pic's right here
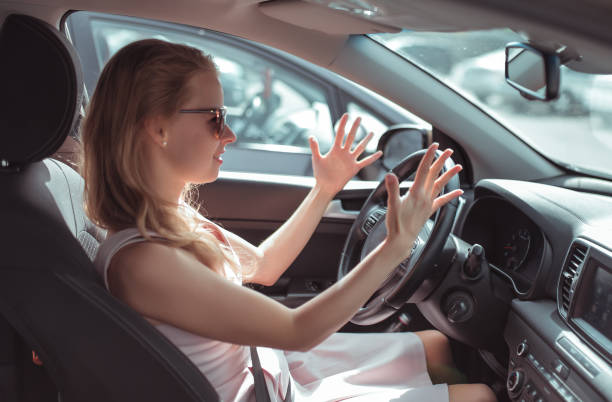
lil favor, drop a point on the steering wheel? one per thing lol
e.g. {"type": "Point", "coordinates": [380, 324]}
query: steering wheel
{"type": "Point", "coordinates": [426, 261]}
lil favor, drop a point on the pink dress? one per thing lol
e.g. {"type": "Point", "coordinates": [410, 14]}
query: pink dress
{"type": "Point", "coordinates": [355, 367]}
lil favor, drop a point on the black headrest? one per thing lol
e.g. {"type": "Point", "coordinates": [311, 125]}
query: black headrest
{"type": "Point", "coordinates": [41, 89]}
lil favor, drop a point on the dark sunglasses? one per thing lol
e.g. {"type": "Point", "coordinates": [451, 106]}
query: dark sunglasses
{"type": "Point", "coordinates": [219, 113]}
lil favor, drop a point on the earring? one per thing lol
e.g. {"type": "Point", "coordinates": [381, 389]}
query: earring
{"type": "Point", "coordinates": [164, 137]}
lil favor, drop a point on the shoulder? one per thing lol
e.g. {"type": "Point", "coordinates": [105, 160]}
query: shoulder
{"type": "Point", "coordinates": [149, 251]}
{"type": "Point", "coordinates": [147, 263]}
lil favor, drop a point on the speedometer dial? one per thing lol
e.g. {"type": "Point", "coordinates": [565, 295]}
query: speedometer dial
{"type": "Point", "coordinates": [516, 249]}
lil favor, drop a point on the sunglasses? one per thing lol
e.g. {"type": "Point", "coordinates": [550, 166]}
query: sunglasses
{"type": "Point", "coordinates": [219, 113]}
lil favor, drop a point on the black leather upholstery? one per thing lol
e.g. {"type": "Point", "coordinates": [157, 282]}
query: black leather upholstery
{"type": "Point", "coordinates": [93, 347]}
{"type": "Point", "coordinates": [38, 109]}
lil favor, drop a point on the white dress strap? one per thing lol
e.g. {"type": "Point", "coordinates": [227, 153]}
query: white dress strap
{"type": "Point", "coordinates": [112, 245]}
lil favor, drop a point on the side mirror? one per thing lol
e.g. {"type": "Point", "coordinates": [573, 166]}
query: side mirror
{"type": "Point", "coordinates": [533, 71]}
{"type": "Point", "coordinates": [400, 141]}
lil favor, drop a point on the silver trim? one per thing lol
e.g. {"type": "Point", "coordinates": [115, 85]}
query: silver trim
{"type": "Point", "coordinates": [270, 147]}
{"type": "Point", "coordinates": [597, 361]}
{"type": "Point", "coordinates": [306, 181]}
{"type": "Point", "coordinates": [336, 211]}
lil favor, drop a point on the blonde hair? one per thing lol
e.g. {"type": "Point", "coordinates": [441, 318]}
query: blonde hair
{"type": "Point", "coordinates": [144, 79]}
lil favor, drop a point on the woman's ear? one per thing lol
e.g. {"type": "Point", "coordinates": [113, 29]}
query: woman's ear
{"type": "Point", "coordinates": [155, 130]}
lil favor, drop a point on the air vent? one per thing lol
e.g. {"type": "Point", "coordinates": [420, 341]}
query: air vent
{"type": "Point", "coordinates": [572, 268]}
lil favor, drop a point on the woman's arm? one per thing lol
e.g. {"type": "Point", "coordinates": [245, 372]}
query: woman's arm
{"type": "Point", "coordinates": [332, 171]}
{"type": "Point", "coordinates": [170, 285]}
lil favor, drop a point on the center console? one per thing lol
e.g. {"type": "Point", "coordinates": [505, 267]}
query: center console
{"type": "Point", "coordinates": [562, 351]}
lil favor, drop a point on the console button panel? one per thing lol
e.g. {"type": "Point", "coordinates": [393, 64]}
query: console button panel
{"type": "Point", "coordinates": [579, 356]}
{"type": "Point", "coordinates": [549, 366]}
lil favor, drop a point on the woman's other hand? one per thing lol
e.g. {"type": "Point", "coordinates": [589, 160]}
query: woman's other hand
{"type": "Point", "coordinates": [334, 169]}
{"type": "Point", "coordinates": [406, 215]}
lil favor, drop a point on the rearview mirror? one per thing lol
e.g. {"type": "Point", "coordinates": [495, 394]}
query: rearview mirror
{"type": "Point", "coordinates": [401, 140]}
{"type": "Point", "coordinates": [534, 72]}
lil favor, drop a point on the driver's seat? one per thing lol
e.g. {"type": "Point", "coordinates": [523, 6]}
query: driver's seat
{"type": "Point", "coordinates": [91, 346]}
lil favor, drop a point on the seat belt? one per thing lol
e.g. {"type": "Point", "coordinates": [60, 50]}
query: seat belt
{"type": "Point", "coordinates": [261, 390]}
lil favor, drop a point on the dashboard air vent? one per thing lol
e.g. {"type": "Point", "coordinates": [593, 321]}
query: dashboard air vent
{"type": "Point", "coordinates": [572, 268]}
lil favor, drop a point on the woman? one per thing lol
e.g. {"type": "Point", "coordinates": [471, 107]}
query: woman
{"type": "Point", "coordinates": [155, 126]}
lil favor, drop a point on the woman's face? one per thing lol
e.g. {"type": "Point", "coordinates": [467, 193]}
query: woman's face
{"type": "Point", "coordinates": [194, 146]}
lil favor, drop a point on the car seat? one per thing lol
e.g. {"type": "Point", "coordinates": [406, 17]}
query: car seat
{"type": "Point", "coordinates": [90, 345]}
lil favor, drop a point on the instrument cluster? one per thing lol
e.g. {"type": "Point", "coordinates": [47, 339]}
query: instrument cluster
{"type": "Point", "coordinates": [512, 242]}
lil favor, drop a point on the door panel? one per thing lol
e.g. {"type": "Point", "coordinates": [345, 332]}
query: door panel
{"type": "Point", "coordinates": [253, 209]}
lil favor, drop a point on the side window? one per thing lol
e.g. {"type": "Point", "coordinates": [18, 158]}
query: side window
{"type": "Point", "coordinates": [277, 107]}
{"type": "Point", "coordinates": [271, 107]}
{"type": "Point", "coordinates": [369, 121]}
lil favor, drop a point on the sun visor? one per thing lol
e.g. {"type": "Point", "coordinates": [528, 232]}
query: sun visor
{"type": "Point", "coordinates": [321, 18]}
{"type": "Point", "coordinates": [40, 77]}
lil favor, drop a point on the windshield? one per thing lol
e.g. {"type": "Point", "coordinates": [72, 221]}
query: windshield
{"type": "Point", "coordinates": [574, 130]}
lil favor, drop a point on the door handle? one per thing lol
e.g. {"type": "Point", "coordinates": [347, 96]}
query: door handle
{"type": "Point", "coordinates": [336, 211]}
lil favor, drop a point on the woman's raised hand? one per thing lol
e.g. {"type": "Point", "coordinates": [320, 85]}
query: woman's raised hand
{"type": "Point", "coordinates": [406, 215]}
{"type": "Point", "coordinates": [334, 169]}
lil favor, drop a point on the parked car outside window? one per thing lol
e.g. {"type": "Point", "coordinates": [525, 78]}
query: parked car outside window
{"type": "Point", "coordinates": [574, 130]}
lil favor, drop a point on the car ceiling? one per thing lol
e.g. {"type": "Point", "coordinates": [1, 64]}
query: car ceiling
{"type": "Point", "coordinates": [317, 33]}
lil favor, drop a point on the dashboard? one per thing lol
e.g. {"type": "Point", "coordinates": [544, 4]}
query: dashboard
{"type": "Point", "coordinates": [512, 242]}
{"type": "Point", "coordinates": [554, 245]}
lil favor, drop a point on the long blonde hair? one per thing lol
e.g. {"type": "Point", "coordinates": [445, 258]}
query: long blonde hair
{"type": "Point", "coordinates": [144, 79]}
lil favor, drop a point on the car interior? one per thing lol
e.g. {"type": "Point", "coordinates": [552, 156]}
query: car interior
{"type": "Point", "coordinates": [517, 272]}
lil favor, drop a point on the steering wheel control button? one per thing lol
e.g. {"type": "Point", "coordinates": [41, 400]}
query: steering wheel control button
{"type": "Point", "coordinates": [472, 268]}
{"type": "Point", "coordinates": [521, 349]}
{"type": "Point", "coordinates": [459, 307]}
{"type": "Point", "coordinates": [372, 220]}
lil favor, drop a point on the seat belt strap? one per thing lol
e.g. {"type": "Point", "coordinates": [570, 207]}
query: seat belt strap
{"type": "Point", "coordinates": [261, 390]}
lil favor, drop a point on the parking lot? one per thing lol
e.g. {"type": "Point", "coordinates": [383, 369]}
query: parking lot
{"type": "Point", "coordinates": [567, 138]}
